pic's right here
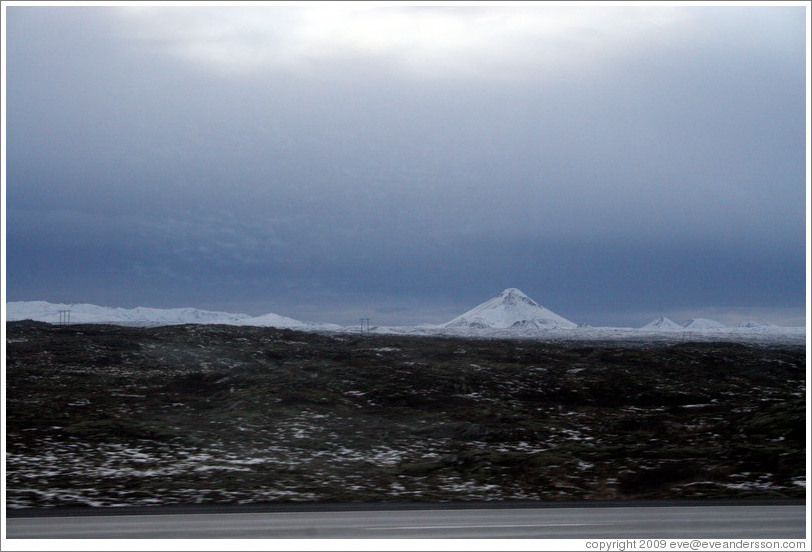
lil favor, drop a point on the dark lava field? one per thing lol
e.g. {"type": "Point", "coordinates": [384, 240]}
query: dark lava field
{"type": "Point", "coordinates": [107, 415]}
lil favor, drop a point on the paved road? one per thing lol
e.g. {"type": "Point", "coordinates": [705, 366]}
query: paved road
{"type": "Point", "coordinates": [762, 521]}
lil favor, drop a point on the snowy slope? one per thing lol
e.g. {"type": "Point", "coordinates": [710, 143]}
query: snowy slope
{"type": "Point", "coordinates": [42, 311]}
{"type": "Point", "coordinates": [702, 324]}
{"type": "Point", "coordinates": [751, 324]}
{"type": "Point", "coordinates": [271, 320]}
{"type": "Point", "coordinates": [510, 309]}
{"type": "Point", "coordinates": [662, 323]}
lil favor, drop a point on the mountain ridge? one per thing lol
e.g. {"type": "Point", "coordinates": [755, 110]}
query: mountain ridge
{"type": "Point", "coordinates": [511, 313]}
{"type": "Point", "coordinates": [84, 313]}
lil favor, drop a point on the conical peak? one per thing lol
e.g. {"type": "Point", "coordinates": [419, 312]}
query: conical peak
{"type": "Point", "coordinates": [510, 309]}
{"type": "Point", "coordinates": [512, 296]}
{"type": "Point", "coordinates": [513, 291]}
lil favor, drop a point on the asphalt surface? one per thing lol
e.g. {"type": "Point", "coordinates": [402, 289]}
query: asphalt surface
{"type": "Point", "coordinates": [751, 521]}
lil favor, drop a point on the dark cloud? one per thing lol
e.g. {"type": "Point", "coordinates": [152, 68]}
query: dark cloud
{"type": "Point", "coordinates": [147, 165]}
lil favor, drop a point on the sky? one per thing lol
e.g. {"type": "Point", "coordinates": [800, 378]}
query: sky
{"type": "Point", "coordinates": [405, 162]}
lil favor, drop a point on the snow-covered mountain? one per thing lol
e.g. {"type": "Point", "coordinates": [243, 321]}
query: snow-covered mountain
{"type": "Point", "coordinates": [702, 324]}
{"type": "Point", "coordinates": [662, 323]}
{"type": "Point", "coordinates": [277, 321]}
{"type": "Point", "coordinates": [510, 309]}
{"type": "Point", "coordinates": [43, 311]}
{"type": "Point", "coordinates": [270, 319]}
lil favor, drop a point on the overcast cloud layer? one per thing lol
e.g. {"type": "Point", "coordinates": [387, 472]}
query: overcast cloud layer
{"type": "Point", "coordinates": [407, 163]}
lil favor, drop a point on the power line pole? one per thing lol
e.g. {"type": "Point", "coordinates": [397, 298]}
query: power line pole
{"type": "Point", "coordinates": [365, 325]}
{"type": "Point", "coordinates": [64, 317]}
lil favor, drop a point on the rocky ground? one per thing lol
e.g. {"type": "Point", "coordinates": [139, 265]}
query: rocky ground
{"type": "Point", "coordinates": [107, 415]}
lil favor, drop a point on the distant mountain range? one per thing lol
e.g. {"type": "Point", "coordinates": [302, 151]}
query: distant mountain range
{"type": "Point", "coordinates": [509, 312]}
{"type": "Point", "coordinates": [82, 313]}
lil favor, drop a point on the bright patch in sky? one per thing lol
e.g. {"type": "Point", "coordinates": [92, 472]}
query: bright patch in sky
{"type": "Point", "coordinates": [428, 41]}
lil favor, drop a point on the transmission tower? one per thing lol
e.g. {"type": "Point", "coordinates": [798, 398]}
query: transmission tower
{"type": "Point", "coordinates": [64, 317]}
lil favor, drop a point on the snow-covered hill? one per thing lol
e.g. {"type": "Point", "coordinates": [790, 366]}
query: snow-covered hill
{"type": "Point", "coordinates": [702, 324]}
{"type": "Point", "coordinates": [277, 321]}
{"type": "Point", "coordinates": [662, 323]}
{"type": "Point", "coordinates": [270, 320]}
{"type": "Point", "coordinates": [43, 311]}
{"type": "Point", "coordinates": [510, 309]}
